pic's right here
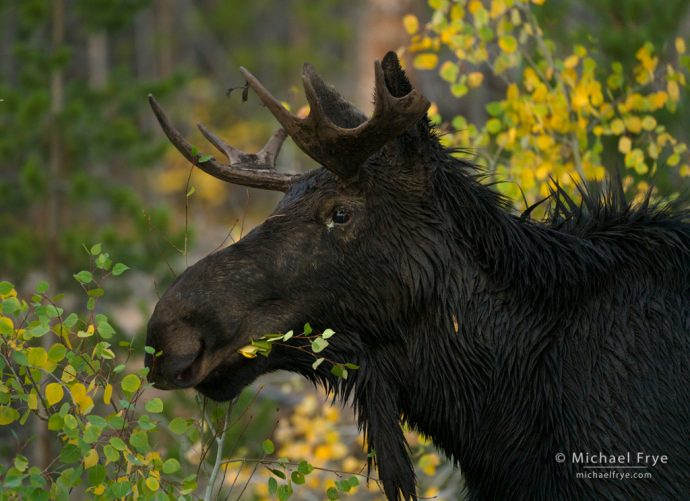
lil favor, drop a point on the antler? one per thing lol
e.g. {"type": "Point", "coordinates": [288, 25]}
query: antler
{"type": "Point", "coordinates": [339, 149]}
{"type": "Point", "coordinates": [256, 170]}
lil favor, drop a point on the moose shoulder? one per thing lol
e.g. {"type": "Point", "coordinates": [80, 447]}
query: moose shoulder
{"type": "Point", "coordinates": [507, 341]}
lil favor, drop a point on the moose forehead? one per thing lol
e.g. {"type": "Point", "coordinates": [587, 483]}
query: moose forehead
{"type": "Point", "coordinates": [316, 191]}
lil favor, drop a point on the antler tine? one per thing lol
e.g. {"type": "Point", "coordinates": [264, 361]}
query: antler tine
{"type": "Point", "coordinates": [270, 151]}
{"type": "Point", "coordinates": [234, 155]}
{"type": "Point", "coordinates": [246, 169]}
{"type": "Point", "coordinates": [343, 150]}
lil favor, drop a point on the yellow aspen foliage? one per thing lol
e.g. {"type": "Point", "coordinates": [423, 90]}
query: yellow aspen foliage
{"type": "Point", "coordinates": [54, 393]}
{"type": "Point", "coordinates": [561, 112]}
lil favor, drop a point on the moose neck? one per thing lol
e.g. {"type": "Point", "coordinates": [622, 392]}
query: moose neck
{"type": "Point", "coordinates": [444, 347]}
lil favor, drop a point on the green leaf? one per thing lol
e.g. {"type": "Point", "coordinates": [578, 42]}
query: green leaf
{"type": "Point", "coordinates": [95, 249]}
{"type": "Point", "coordinates": [318, 345]}
{"type": "Point", "coordinates": [118, 444]}
{"type": "Point", "coordinates": [307, 329]}
{"type": "Point", "coordinates": [71, 320]}
{"type": "Point", "coordinates": [277, 473]}
{"type": "Point", "coordinates": [5, 288]}
{"type": "Point", "coordinates": [119, 269]}
{"type": "Point", "coordinates": [57, 352]}
{"type": "Point", "coordinates": [205, 158]}
{"type": "Point", "coordinates": [297, 477]}
{"type": "Point", "coordinates": [110, 453]}
{"type": "Point", "coordinates": [191, 191]}
{"type": "Point", "coordinates": [171, 466]}
{"type": "Point", "coordinates": [21, 463]}
{"type": "Point", "coordinates": [352, 366]}
{"type": "Point", "coordinates": [150, 350]}
{"type": "Point", "coordinates": [42, 287]}
{"type": "Point", "coordinates": [304, 467]}
{"type": "Point", "coordinates": [55, 422]}
{"type": "Point", "coordinates": [317, 362]}
{"type": "Point", "coordinates": [130, 383]}
{"type": "Point", "coordinates": [120, 489]}
{"type": "Point", "coordinates": [284, 493]}
{"type": "Point", "coordinates": [287, 335]}
{"type": "Point", "coordinates": [70, 453]}
{"type": "Point", "coordinates": [95, 292]}
{"type": "Point", "coordinates": [328, 333]}
{"type": "Point", "coordinates": [339, 371]}
{"type": "Point", "coordinates": [353, 481]}
{"type": "Point", "coordinates": [178, 426]}
{"type": "Point", "coordinates": [155, 405]}
{"type": "Point", "coordinates": [21, 359]}
{"type": "Point", "coordinates": [493, 125]}
{"type": "Point", "coordinates": [85, 277]}
{"type": "Point", "coordinates": [268, 446]}
{"type": "Point", "coordinates": [332, 493]}
{"type": "Point", "coordinates": [140, 441]}
{"type": "Point", "coordinates": [272, 486]}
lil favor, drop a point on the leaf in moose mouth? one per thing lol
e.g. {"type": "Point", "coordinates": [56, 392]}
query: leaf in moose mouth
{"type": "Point", "coordinates": [249, 351]}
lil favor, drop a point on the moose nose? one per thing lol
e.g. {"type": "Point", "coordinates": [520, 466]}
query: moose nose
{"type": "Point", "coordinates": [176, 369]}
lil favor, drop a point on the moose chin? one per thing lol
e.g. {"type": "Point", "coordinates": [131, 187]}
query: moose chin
{"type": "Point", "coordinates": [509, 342]}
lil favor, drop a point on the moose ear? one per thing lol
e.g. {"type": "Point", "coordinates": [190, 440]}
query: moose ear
{"type": "Point", "coordinates": [399, 85]}
{"type": "Point", "coordinates": [396, 80]}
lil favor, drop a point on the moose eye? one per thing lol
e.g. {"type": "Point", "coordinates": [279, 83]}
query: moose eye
{"type": "Point", "coordinates": [341, 215]}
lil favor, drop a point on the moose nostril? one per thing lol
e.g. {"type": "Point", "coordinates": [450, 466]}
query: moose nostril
{"type": "Point", "coordinates": [183, 370]}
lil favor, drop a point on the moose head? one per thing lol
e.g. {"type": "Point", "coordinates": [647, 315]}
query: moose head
{"type": "Point", "coordinates": [336, 252]}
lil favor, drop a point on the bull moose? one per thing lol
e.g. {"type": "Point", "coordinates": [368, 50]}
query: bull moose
{"type": "Point", "coordinates": [522, 348]}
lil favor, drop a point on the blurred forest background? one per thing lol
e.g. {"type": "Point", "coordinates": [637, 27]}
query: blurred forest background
{"type": "Point", "coordinates": [82, 160]}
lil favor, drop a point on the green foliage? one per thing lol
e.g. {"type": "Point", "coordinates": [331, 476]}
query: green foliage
{"type": "Point", "coordinates": [306, 342]}
{"type": "Point", "coordinates": [92, 133]}
{"type": "Point", "coordinates": [85, 397]}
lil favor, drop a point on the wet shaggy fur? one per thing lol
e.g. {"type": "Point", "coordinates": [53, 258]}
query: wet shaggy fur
{"type": "Point", "coordinates": [505, 340]}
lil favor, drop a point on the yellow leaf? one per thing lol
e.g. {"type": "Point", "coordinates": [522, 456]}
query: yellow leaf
{"type": "Point", "coordinates": [617, 126]}
{"type": "Point", "coordinates": [100, 489]}
{"type": "Point", "coordinates": [249, 351]}
{"type": "Point", "coordinates": [54, 393]}
{"type": "Point", "coordinates": [68, 374]}
{"type": "Point", "coordinates": [411, 24]}
{"type": "Point", "coordinates": [680, 45]}
{"type": "Point", "coordinates": [475, 5]}
{"type": "Point", "coordinates": [425, 61]}
{"type": "Point", "coordinates": [8, 414]}
{"type": "Point", "coordinates": [624, 144]}
{"type": "Point", "coordinates": [152, 483]}
{"type": "Point", "coordinates": [508, 44]}
{"type": "Point", "coordinates": [580, 97]}
{"type": "Point", "coordinates": [633, 124]}
{"type": "Point", "coordinates": [32, 401]}
{"type": "Point", "coordinates": [648, 122]}
{"type": "Point", "coordinates": [571, 62]}
{"type": "Point", "coordinates": [81, 399]}
{"type": "Point", "coordinates": [673, 90]}
{"type": "Point", "coordinates": [7, 322]}
{"type": "Point", "coordinates": [91, 459]}
{"type": "Point", "coordinates": [107, 393]}
{"type": "Point", "coordinates": [475, 78]}
{"type": "Point", "coordinates": [513, 92]}
{"type": "Point", "coordinates": [544, 142]}
{"type": "Point", "coordinates": [37, 356]}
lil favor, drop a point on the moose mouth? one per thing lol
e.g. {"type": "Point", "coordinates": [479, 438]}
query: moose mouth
{"type": "Point", "coordinates": [219, 379]}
